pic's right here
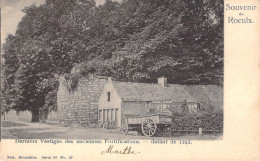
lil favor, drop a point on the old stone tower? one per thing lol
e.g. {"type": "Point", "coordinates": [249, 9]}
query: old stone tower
{"type": "Point", "coordinates": [80, 106]}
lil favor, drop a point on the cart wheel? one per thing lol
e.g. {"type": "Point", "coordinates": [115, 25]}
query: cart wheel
{"type": "Point", "coordinates": [125, 129]}
{"type": "Point", "coordinates": [149, 127]}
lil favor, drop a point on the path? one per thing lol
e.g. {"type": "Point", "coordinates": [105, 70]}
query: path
{"type": "Point", "coordinates": [22, 130]}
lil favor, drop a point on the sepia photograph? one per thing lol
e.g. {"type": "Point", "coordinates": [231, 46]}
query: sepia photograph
{"type": "Point", "coordinates": [112, 69]}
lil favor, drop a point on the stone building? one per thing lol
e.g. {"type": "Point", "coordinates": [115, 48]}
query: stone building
{"type": "Point", "coordinates": [80, 105]}
{"type": "Point", "coordinates": [100, 99]}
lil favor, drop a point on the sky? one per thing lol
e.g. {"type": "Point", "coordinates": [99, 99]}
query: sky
{"type": "Point", "coordinates": [11, 14]}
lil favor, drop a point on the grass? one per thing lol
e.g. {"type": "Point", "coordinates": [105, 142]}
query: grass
{"type": "Point", "coordinates": [11, 124]}
{"type": "Point", "coordinates": [28, 134]}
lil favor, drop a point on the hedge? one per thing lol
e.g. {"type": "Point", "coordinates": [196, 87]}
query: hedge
{"type": "Point", "coordinates": [208, 121]}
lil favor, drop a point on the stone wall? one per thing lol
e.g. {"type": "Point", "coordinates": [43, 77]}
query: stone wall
{"type": "Point", "coordinates": [80, 106]}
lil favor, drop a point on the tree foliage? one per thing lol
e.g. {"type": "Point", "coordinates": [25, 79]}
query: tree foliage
{"type": "Point", "coordinates": [130, 41]}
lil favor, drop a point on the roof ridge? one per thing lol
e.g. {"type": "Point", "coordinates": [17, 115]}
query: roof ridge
{"type": "Point", "coordinates": [146, 83]}
{"type": "Point", "coordinates": [136, 82]}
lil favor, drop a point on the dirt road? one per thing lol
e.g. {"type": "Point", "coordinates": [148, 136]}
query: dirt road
{"type": "Point", "coordinates": [22, 130]}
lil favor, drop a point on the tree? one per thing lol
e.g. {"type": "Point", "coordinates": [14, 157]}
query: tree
{"type": "Point", "coordinates": [45, 44]}
{"type": "Point", "coordinates": [130, 41]}
{"type": "Point", "coordinates": [10, 65]}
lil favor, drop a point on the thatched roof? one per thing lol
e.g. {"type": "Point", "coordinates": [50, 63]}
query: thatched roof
{"type": "Point", "coordinates": [209, 96]}
{"type": "Point", "coordinates": [129, 91]}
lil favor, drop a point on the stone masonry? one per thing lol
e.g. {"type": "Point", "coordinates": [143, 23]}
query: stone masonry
{"type": "Point", "coordinates": [80, 106]}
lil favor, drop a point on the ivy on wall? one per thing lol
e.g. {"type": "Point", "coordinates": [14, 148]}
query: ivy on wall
{"type": "Point", "coordinates": [71, 81]}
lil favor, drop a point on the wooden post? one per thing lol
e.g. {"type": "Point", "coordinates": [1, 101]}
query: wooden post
{"type": "Point", "coordinates": [114, 116]}
{"type": "Point", "coordinates": [200, 131]}
{"type": "Point", "coordinates": [99, 113]}
{"type": "Point", "coordinates": [102, 116]}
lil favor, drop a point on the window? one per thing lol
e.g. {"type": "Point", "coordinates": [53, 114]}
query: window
{"type": "Point", "coordinates": [108, 96]}
{"type": "Point", "coordinates": [198, 107]}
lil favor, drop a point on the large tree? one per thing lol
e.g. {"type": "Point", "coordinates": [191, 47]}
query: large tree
{"type": "Point", "coordinates": [181, 40]}
{"type": "Point", "coordinates": [130, 41]}
{"type": "Point", "coordinates": [45, 44]}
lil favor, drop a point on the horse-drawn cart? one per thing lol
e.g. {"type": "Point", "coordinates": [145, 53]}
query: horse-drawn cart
{"type": "Point", "coordinates": [149, 125]}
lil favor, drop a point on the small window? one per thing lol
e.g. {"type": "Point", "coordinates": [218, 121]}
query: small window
{"type": "Point", "coordinates": [198, 107]}
{"type": "Point", "coordinates": [108, 96]}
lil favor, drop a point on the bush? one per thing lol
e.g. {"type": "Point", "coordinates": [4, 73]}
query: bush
{"type": "Point", "coordinates": [205, 120]}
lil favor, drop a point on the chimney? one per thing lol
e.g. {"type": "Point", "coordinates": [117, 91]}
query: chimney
{"type": "Point", "coordinates": [162, 81]}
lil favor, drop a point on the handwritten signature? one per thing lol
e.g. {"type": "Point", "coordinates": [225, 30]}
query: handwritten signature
{"type": "Point", "coordinates": [111, 150]}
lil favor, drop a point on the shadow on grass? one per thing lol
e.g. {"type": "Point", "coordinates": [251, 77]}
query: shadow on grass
{"type": "Point", "coordinates": [11, 124]}
{"type": "Point", "coordinates": [51, 123]}
{"type": "Point", "coordinates": [26, 134]}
